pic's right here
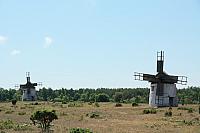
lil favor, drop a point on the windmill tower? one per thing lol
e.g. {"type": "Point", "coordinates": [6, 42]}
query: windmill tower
{"type": "Point", "coordinates": [28, 89]}
{"type": "Point", "coordinates": [163, 86]}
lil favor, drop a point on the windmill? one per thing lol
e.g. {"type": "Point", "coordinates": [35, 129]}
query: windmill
{"type": "Point", "coordinates": [163, 86]}
{"type": "Point", "coordinates": [28, 89]}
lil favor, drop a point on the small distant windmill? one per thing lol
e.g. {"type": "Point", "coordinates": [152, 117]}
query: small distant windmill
{"type": "Point", "coordinates": [163, 86]}
{"type": "Point", "coordinates": [28, 89]}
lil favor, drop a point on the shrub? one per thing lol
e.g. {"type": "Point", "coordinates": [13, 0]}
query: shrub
{"type": "Point", "coordinates": [43, 118]}
{"type": "Point", "coordinates": [96, 104]}
{"type": "Point", "coordinates": [94, 115]}
{"type": "Point", "coordinates": [36, 103]}
{"type": "Point", "coordinates": [71, 104]}
{"type": "Point", "coordinates": [8, 124]}
{"type": "Point", "coordinates": [118, 105]}
{"type": "Point", "coordinates": [9, 112]}
{"type": "Point", "coordinates": [153, 111]}
{"type": "Point", "coordinates": [134, 104]}
{"type": "Point", "coordinates": [21, 113]}
{"type": "Point", "coordinates": [75, 104]}
{"type": "Point", "coordinates": [22, 107]}
{"type": "Point", "coordinates": [146, 111]}
{"type": "Point", "coordinates": [80, 130]}
{"type": "Point", "coordinates": [190, 110]}
{"type": "Point", "coordinates": [22, 127]}
{"type": "Point", "coordinates": [149, 111]}
{"type": "Point", "coordinates": [90, 103]}
{"type": "Point", "coordinates": [64, 102]}
{"type": "Point", "coordinates": [14, 101]}
{"type": "Point", "coordinates": [189, 123]}
{"type": "Point", "coordinates": [168, 113]}
{"type": "Point", "coordinates": [63, 114]}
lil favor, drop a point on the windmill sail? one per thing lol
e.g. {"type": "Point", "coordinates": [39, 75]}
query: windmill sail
{"type": "Point", "coordinates": [160, 61]}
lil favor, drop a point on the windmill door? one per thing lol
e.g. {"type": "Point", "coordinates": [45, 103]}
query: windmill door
{"type": "Point", "coordinates": [170, 101]}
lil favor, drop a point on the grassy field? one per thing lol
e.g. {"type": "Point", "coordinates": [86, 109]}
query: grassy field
{"type": "Point", "coordinates": [103, 119]}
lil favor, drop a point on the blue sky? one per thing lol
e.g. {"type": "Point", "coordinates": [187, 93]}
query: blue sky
{"type": "Point", "coordinates": [97, 43]}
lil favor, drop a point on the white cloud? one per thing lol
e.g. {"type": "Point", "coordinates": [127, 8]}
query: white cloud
{"type": "Point", "coordinates": [48, 41]}
{"type": "Point", "coordinates": [3, 39]}
{"type": "Point", "coordinates": [15, 52]}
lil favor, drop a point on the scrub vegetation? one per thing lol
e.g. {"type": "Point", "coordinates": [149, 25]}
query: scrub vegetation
{"type": "Point", "coordinates": [97, 111]}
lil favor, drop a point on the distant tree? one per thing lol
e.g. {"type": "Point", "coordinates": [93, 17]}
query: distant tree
{"type": "Point", "coordinates": [84, 97]}
{"type": "Point", "coordinates": [18, 95]}
{"type": "Point", "coordinates": [92, 97]}
{"type": "Point", "coordinates": [127, 94]}
{"type": "Point", "coordinates": [102, 98]}
{"type": "Point", "coordinates": [76, 97]}
{"type": "Point", "coordinates": [118, 96]}
{"type": "Point", "coordinates": [66, 98]}
{"type": "Point", "coordinates": [44, 119]}
{"type": "Point", "coordinates": [43, 94]}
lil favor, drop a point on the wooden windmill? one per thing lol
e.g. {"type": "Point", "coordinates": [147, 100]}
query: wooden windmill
{"type": "Point", "coordinates": [28, 89]}
{"type": "Point", "coordinates": [163, 86]}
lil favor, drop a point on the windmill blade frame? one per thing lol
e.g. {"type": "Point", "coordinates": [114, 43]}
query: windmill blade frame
{"type": "Point", "coordinates": [182, 80]}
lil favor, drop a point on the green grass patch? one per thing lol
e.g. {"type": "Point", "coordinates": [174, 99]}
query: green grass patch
{"type": "Point", "coordinates": [80, 130]}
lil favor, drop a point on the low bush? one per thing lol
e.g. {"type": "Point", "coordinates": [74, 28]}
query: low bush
{"type": "Point", "coordinates": [71, 104]}
{"type": "Point", "coordinates": [90, 103]}
{"type": "Point", "coordinates": [95, 115]}
{"type": "Point", "coordinates": [134, 104]}
{"type": "Point", "coordinates": [118, 105]}
{"type": "Point", "coordinates": [153, 111]}
{"type": "Point", "coordinates": [14, 101]}
{"type": "Point", "coordinates": [8, 124]}
{"type": "Point", "coordinates": [190, 110]}
{"type": "Point", "coordinates": [9, 112]}
{"type": "Point", "coordinates": [96, 104]}
{"type": "Point", "coordinates": [168, 113]}
{"type": "Point", "coordinates": [150, 111]}
{"type": "Point", "coordinates": [189, 123]}
{"type": "Point", "coordinates": [22, 107]}
{"type": "Point", "coordinates": [64, 102]}
{"type": "Point", "coordinates": [75, 104]}
{"type": "Point", "coordinates": [80, 130]}
{"type": "Point", "coordinates": [23, 127]}
{"type": "Point", "coordinates": [21, 113]}
{"type": "Point", "coordinates": [63, 114]}
{"type": "Point", "coordinates": [36, 103]}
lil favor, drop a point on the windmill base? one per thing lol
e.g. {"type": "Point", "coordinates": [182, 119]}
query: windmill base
{"type": "Point", "coordinates": [163, 97]}
{"type": "Point", "coordinates": [29, 95]}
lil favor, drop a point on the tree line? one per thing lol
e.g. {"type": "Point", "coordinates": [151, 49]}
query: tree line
{"type": "Point", "coordinates": [140, 95]}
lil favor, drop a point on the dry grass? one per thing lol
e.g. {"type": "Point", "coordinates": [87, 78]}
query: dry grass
{"type": "Point", "coordinates": [111, 119]}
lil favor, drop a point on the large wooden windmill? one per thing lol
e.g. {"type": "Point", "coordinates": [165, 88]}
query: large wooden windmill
{"type": "Point", "coordinates": [163, 86]}
{"type": "Point", "coordinates": [28, 89]}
